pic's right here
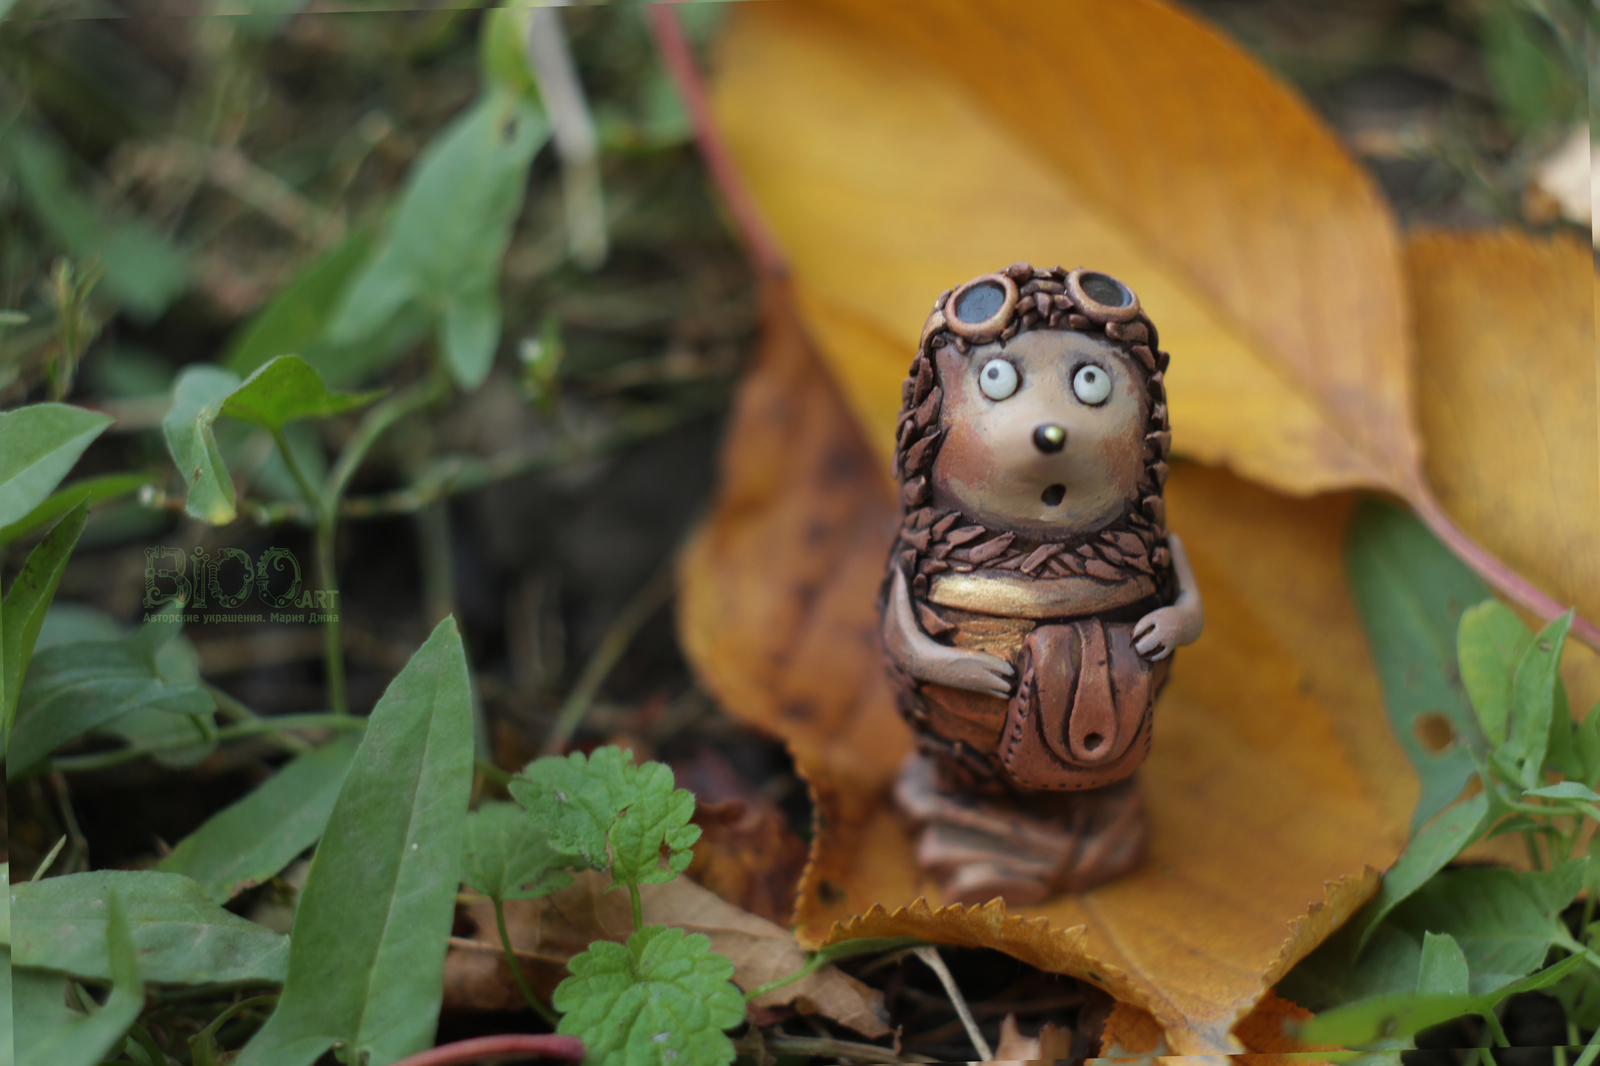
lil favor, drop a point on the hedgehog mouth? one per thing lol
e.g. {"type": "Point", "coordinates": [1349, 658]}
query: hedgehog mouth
{"type": "Point", "coordinates": [1053, 495]}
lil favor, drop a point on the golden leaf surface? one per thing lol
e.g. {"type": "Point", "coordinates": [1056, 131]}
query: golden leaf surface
{"type": "Point", "coordinates": [1510, 408]}
{"type": "Point", "coordinates": [1274, 788]}
{"type": "Point", "coordinates": [901, 148]}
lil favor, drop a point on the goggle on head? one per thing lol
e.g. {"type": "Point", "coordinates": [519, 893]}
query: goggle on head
{"type": "Point", "coordinates": [996, 306]}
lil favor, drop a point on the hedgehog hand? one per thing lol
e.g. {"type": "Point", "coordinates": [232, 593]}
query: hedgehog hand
{"type": "Point", "coordinates": [1164, 629]}
{"type": "Point", "coordinates": [974, 671]}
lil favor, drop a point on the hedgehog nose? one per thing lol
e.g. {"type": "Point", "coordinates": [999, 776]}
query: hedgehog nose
{"type": "Point", "coordinates": [1049, 438]}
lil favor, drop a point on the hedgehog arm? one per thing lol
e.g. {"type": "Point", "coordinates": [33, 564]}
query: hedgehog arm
{"type": "Point", "coordinates": [1167, 628]}
{"type": "Point", "coordinates": [925, 659]}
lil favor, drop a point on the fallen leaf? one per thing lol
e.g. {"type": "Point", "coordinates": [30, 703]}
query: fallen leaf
{"type": "Point", "coordinates": [1131, 1033]}
{"type": "Point", "coordinates": [1510, 408]}
{"type": "Point", "coordinates": [546, 932]}
{"type": "Point", "coordinates": [901, 148]}
{"type": "Point", "coordinates": [1274, 787]}
{"type": "Point", "coordinates": [747, 854]}
{"type": "Point", "coordinates": [1051, 1043]}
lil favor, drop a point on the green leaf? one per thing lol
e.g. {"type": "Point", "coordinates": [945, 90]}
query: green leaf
{"type": "Point", "coordinates": [508, 856]}
{"type": "Point", "coordinates": [85, 1040]}
{"type": "Point", "coordinates": [1586, 746]}
{"type": "Point", "coordinates": [657, 823]}
{"type": "Point", "coordinates": [1489, 643]}
{"type": "Point", "coordinates": [662, 999]}
{"type": "Point", "coordinates": [258, 836]}
{"type": "Point", "coordinates": [144, 272]}
{"type": "Point", "coordinates": [286, 389]}
{"type": "Point", "coordinates": [38, 446]}
{"type": "Point", "coordinates": [366, 957]}
{"type": "Point", "coordinates": [1411, 592]}
{"type": "Point", "coordinates": [38, 1000]}
{"type": "Point", "coordinates": [611, 814]}
{"type": "Point", "coordinates": [1504, 921]}
{"type": "Point", "coordinates": [197, 399]}
{"type": "Point", "coordinates": [1566, 790]}
{"type": "Point", "coordinates": [93, 489]}
{"type": "Point", "coordinates": [60, 923]}
{"type": "Point", "coordinates": [1530, 83]}
{"type": "Point", "coordinates": [468, 335]}
{"type": "Point", "coordinates": [25, 605]}
{"type": "Point", "coordinates": [1436, 844]}
{"type": "Point", "coordinates": [1579, 995]}
{"type": "Point", "coordinates": [296, 317]}
{"type": "Point", "coordinates": [1533, 700]}
{"type": "Point", "coordinates": [1406, 1014]}
{"type": "Point", "coordinates": [1561, 752]}
{"type": "Point", "coordinates": [1442, 970]}
{"type": "Point", "coordinates": [74, 688]}
{"type": "Point", "coordinates": [503, 52]}
{"type": "Point", "coordinates": [450, 231]}
{"type": "Point", "coordinates": [1335, 973]}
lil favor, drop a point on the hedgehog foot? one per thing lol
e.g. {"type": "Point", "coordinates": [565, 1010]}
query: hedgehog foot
{"type": "Point", "coordinates": [1023, 848]}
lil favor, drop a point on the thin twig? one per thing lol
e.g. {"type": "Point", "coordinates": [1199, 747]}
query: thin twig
{"type": "Point", "coordinates": [69, 818]}
{"type": "Point", "coordinates": [930, 955]}
{"type": "Point", "coordinates": [838, 1049]}
{"type": "Point", "coordinates": [483, 947]}
{"type": "Point", "coordinates": [508, 1047]}
{"type": "Point", "coordinates": [572, 128]}
{"type": "Point", "coordinates": [678, 58]}
{"type": "Point", "coordinates": [627, 624]}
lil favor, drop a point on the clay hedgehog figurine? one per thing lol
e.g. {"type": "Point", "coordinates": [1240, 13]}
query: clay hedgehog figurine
{"type": "Point", "coordinates": [1033, 597]}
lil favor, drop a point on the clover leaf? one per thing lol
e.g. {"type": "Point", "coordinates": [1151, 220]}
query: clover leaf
{"type": "Point", "coordinates": [662, 999]}
{"type": "Point", "coordinates": [611, 814]}
{"type": "Point", "coordinates": [507, 856]}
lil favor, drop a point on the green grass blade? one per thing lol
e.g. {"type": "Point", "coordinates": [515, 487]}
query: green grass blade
{"type": "Point", "coordinates": [256, 837]}
{"type": "Point", "coordinates": [84, 1041]}
{"type": "Point", "coordinates": [366, 960]}
{"type": "Point", "coordinates": [38, 446]}
{"type": "Point", "coordinates": [183, 938]}
{"type": "Point", "coordinates": [26, 602]}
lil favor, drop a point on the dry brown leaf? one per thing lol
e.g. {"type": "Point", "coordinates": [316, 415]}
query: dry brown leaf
{"type": "Point", "coordinates": [547, 932]}
{"type": "Point", "coordinates": [1274, 788]}
{"type": "Point", "coordinates": [747, 854]}
{"type": "Point", "coordinates": [899, 148]}
{"type": "Point", "coordinates": [1510, 407]}
{"type": "Point", "coordinates": [1051, 1043]}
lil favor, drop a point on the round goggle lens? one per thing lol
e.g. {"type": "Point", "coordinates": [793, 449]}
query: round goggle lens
{"type": "Point", "coordinates": [980, 303]}
{"type": "Point", "coordinates": [1104, 290]}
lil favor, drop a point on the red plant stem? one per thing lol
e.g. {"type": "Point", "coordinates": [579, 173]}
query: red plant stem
{"type": "Point", "coordinates": [678, 58]}
{"type": "Point", "coordinates": [507, 1047]}
{"type": "Point", "coordinates": [1497, 574]}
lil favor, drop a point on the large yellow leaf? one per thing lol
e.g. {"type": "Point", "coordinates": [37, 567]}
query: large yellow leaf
{"type": "Point", "coordinates": [1508, 399]}
{"type": "Point", "coordinates": [899, 148]}
{"type": "Point", "coordinates": [1274, 788]}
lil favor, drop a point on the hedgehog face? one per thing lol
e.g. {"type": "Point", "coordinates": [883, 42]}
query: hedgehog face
{"type": "Point", "coordinates": [1043, 435]}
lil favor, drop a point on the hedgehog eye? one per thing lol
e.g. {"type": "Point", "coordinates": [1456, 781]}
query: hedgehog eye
{"type": "Point", "coordinates": [1092, 385]}
{"type": "Point", "coordinates": [997, 379]}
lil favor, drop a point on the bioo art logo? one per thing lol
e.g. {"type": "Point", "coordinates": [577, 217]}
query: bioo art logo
{"type": "Point", "coordinates": [229, 580]}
